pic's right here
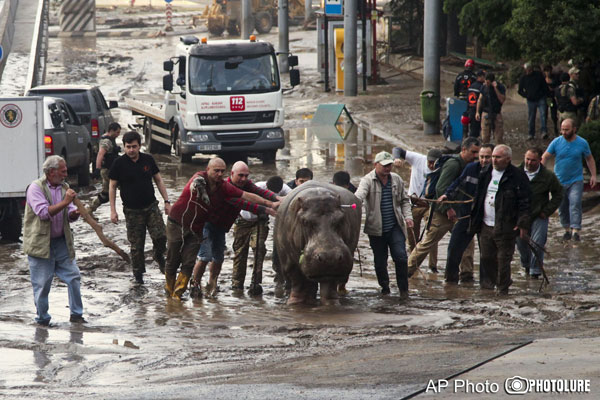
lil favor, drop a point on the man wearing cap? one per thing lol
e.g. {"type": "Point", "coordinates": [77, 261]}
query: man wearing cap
{"type": "Point", "coordinates": [388, 215]}
{"type": "Point", "coordinates": [567, 98]}
{"type": "Point", "coordinates": [532, 86]}
{"type": "Point", "coordinates": [444, 215]}
{"type": "Point", "coordinates": [420, 166]}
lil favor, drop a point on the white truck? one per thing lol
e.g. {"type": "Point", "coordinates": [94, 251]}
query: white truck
{"type": "Point", "coordinates": [228, 101]}
{"type": "Point", "coordinates": [23, 154]}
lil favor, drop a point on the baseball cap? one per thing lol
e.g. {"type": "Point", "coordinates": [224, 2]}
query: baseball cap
{"type": "Point", "coordinates": [574, 70]}
{"type": "Point", "coordinates": [384, 158]}
{"type": "Point", "coordinates": [434, 154]}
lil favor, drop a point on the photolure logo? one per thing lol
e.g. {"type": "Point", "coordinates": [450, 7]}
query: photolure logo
{"type": "Point", "coordinates": [11, 115]}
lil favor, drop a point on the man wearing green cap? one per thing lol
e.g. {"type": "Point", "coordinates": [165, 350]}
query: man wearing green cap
{"type": "Point", "coordinates": [388, 208]}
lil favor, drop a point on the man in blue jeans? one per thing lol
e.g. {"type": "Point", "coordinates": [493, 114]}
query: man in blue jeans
{"type": "Point", "coordinates": [388, 216]}
{"type": "Point", "coordinates": [48, 240]}
{"type": "Point", "coordinates": [546, 196]}
{"type": "Point", "coordinates": [533, 87]}
{"type": "Point", "coordinates": [569, 150]}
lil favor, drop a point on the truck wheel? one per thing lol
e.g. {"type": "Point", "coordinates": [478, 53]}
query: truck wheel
{"type": "Point", "coordinates": [184, 158]}
{"type": "Point", "coordinates": [11, 224]}
{"type": "Point", "coordinates": [263, 23]}
{"type": "Point", "coordinates": [268, 157]}
{"type": "Point", "coordinates": [151, 145]}
{"type": "Point", "coordinates": [233, 29]}
{"type": "Point", "coordinates": [83, 174]}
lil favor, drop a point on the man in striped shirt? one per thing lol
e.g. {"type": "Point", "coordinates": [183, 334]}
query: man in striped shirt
{"type": "Point", "coordinates": [388, 209]}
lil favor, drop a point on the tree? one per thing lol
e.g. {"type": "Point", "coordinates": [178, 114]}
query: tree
{"type": "Point", "coordinates": [550, 31]}
{"type": "Point", "coordinates": [484, 20]}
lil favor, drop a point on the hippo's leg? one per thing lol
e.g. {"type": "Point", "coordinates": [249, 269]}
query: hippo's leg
{"type": "Point", "coordinates": [329, 294]}
{"type": "Point", "coordinates": [302, 290]}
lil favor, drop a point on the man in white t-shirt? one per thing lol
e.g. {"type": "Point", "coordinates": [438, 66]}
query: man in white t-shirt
{"type": "Point", "coordinates": [500, 214]}
{"type": "Point", "coordinates": [421, 165]}
{"type": "Point", "coordinates": [251, 230]}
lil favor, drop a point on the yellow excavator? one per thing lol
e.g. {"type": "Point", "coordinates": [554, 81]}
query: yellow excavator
{"type": "Point", "coordinates": [224, 15]}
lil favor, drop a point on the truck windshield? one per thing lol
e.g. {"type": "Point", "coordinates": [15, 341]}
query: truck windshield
{"type": "Point", "coordinates": [233, 75]}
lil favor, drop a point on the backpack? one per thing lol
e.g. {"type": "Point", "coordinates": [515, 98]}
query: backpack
{"type": "Point", "coordinates": [433, 177]}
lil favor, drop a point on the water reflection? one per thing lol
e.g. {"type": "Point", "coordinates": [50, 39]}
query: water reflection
{"type": "Point", "coordinates": [40, 354]}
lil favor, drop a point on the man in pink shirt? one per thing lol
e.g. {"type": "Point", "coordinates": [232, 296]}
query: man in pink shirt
{"type": "Point", "coordinates": [48, 240]}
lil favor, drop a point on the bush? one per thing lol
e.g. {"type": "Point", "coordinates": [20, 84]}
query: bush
{"type": "Point", "coordinates": [590, 131]}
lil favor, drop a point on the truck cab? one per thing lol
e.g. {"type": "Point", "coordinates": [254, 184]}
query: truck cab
{"type": "Point", "coordinates": [227, 98]}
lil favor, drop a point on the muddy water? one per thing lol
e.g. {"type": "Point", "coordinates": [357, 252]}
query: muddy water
{"type": "Point", "coordinates": [139, 344]}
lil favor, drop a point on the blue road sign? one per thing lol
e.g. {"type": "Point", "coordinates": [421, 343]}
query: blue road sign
{"type": "Point", "coordinates": [1, 53]}
{"type": "Point", "coordinates": [333, 7]}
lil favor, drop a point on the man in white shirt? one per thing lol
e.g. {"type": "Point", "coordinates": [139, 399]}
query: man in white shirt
{"type": "Point", "coordinates": [421, 165]}
{"type": "Point", "coordinates": [251, 230]}
{"type": "Point", "coordinates": [500, 214]}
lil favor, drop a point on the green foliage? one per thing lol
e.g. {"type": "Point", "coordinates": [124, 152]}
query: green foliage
{"type": "Point", "coordinates": [547, 31]}
{"type": "Point", "coordinates": [590, 131]}
{"type": "Point", "coordinates": [555, 30]}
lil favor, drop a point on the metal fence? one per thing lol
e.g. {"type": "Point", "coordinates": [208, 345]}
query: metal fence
{"type": "Point", "coordinates": [36, 73]}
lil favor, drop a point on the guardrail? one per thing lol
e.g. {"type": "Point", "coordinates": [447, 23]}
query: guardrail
{"type": "Point", "coordinates": [36, 73]}
{"type": "Point", "coordinates": [7, 29]}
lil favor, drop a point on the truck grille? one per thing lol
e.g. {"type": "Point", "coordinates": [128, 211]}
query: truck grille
{"type": "Point", "coordinates": [237, 118]}
{"type": "Point", "coordinates": [236, 136]}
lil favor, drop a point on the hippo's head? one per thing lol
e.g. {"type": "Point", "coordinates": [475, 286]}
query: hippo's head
{"type": "Point", "coordinates": [325, 257]}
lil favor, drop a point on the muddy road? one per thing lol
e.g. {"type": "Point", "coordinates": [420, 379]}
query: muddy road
{"type": "Point", "coordinates": [139, 344]}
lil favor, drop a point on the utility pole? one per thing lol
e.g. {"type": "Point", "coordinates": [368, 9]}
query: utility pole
{"type": "Point", "coordinates": [431, 59]}
{"type": "Point", "coordinates": [350, 48]}
{"type": "Point", "coordinates": [307, 11]}
{"type": "Point", "coordinates": [284, 35]}
{"type": "Point", "coordinates": [247, 27]}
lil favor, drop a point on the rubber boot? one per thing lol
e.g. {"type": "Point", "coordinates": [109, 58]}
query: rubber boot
{"type": "Point", "coordinates": [180, 286]}
{"type": "Point", "coordinates": [169, 284]}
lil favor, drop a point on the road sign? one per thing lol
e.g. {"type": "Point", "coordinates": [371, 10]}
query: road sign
{"type": "Point", "coordinates": [1, 53]}
{"type": "Point", "coordinates": [333, 7]}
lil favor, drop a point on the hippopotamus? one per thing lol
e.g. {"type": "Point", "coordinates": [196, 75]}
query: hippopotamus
{"type": "Point", "coordinates": [316, 232]}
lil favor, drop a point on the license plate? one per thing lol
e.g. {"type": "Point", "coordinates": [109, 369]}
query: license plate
{"type": "Point", "coordinates": [209, 147]}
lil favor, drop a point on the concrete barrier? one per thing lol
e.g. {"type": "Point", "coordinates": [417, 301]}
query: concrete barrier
{"type": "Point", "coordinates": [8, 10]}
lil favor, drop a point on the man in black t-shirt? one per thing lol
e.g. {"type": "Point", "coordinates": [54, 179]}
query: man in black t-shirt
{"type": "Point", "coordinates": [133, 172]}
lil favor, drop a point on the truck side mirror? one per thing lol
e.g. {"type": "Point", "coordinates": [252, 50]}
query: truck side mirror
{"type": "Point", "coordinates": [168, 82]}
{"type": "Point", "coordinates": [168, 66]}
{"type": "Point", "coordinates": [294, 77]}
{"type": "Point", "coordinates": [293, 61]}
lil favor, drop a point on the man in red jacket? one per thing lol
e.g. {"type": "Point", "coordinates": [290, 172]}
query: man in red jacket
{"type": "Point", "coordinates": [205, 198]}
{"type": "Point", "coordinates": [213, 244]}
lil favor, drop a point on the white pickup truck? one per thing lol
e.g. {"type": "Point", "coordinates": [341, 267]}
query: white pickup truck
{"type": "Point", "coordinates": [22, 147]}
{"type": "Point", "coordinates": [227, 101]}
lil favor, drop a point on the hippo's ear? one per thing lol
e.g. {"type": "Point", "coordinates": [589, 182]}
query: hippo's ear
{"type": "Point", "coordinates": [299, 202]}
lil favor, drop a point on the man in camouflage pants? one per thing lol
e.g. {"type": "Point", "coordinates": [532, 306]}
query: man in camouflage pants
{"type": "Point", "coordinates": [251, 230]}
{"type": "Point", "coordinates": [133, 172]}
{"type": "Point", "coordinates": [108, 153]}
